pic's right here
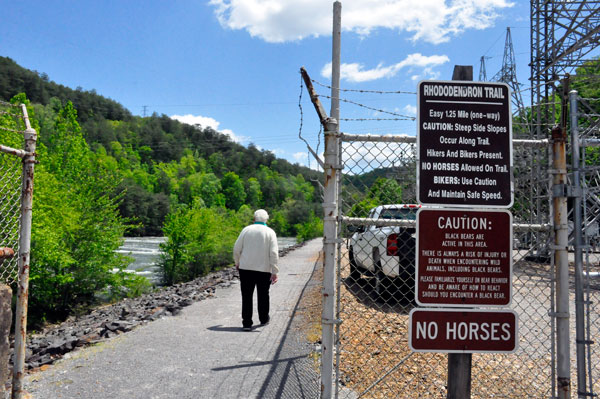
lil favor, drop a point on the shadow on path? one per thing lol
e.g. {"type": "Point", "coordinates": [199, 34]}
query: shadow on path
{"type": "Point", "coordinates": [292, 372]}
{"type": "Point", "coordinates": [227, 329]}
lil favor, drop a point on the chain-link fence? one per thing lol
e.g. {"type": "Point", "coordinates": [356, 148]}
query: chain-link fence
{"type": "Point", "coordinates": [376, 274]}
{"type": "Point", "coordinates": [586, 350]}
{"type": "Point", "coordinates": [17, 159]}
{"type": "Point", "coordinates": [376, 280]}
{"type": "Point", "coordinates": [11, 167]}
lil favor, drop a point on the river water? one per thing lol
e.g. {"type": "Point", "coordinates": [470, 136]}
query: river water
{"type": "Point", "coordinates": [145, 252]}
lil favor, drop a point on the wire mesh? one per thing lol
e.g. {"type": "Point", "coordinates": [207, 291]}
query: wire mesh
{"type": "Point", "coordinates": [11, 126]}
{"type": "Point", "coordinates": [376, 282]}
{"type": "Point", "coordinates": [589, 123]}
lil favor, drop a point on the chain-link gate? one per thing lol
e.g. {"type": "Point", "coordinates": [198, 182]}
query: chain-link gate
{"type": "Point", "coordinates": [376, 280]}
{"type": "Point", "coordinates": [16, 195]}
{"type": "Point", "coordinates": [585, 240]}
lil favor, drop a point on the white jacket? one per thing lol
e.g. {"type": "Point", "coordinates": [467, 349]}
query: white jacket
{"type": "Point", "coordinates": [256, 249]}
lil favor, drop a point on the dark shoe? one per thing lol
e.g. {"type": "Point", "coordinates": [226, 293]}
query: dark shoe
{"type": "Point", "coordinates": [247, 328]}
{"type": "Point", "coordinates": [265, 323]}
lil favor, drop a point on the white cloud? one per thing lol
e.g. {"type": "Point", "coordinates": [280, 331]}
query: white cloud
{"type": "Point", "coordinates": [300, 156]}
{"type": "Point", "coordinates": [434, 21]}
{"type": "Point", "coordinates": [207, 121]}
{"type": "Point", "coordinates": [356, 73]}
{"type": "Point", "coordinates": [410, 109]}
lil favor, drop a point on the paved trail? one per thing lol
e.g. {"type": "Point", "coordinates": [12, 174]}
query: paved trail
{"type": "Point", "coordinates": [201, 353]}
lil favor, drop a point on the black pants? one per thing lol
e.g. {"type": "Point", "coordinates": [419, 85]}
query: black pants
{"type": "Point", "coordinates": [262, 281]}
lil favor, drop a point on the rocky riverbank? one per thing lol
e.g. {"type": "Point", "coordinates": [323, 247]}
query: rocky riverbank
{"type": "Point", "coordinates": [105, 322]}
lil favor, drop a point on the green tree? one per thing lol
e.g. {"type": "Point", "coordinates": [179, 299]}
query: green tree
{"type": "Point", "coordinates": [386, 191]}
{"type": "Point", "coordinates": [76, 224]}
{"type": "Point", "coordinates": [233, 190]}
{"type": "Point", "coordinates": [253, 193]}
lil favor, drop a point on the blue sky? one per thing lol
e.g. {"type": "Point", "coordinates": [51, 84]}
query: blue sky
{"type": "Point", "coordinates": [234, 64]}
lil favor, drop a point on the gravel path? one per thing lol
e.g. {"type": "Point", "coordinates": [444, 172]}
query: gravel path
{"type": "Point", "coordinates": [202, 352]}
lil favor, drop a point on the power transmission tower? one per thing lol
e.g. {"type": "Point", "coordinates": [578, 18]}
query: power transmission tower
{"type": "Point", "coordinates": [144, 109]}
{"type": "Point", "coordinates": [563, 34]}
{"type": "Point", "coordinates": [482, 73]}
{"type": "Point", "coordinates": [508, 74]}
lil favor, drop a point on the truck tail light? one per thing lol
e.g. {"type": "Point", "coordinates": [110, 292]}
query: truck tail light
{"type": "Point", "coordinates": [392, 245]}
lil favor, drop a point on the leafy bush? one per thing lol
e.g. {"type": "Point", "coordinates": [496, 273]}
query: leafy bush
{"type": "Point", "coordinates": [76, 224]}
{"type": "Point", "coordinates": [199, 240]}
{"type": "Point", "coordinates": [309, 230]}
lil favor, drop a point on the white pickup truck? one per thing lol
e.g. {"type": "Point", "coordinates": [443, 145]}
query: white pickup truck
{"type": "Point", "coordinates": [386, 252]}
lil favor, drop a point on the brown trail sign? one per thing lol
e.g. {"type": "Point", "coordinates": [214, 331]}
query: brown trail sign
{"type": "Point", "coordinates": [464, 140]}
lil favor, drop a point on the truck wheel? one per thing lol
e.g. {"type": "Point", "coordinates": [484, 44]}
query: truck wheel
{"type": "Point", "coordinates": [383, 284]}
{"type": "Point", "coordinates": [355, 273]}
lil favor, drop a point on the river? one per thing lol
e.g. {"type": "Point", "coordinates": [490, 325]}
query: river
{"type": "Point", "coordinates": [145, 252]}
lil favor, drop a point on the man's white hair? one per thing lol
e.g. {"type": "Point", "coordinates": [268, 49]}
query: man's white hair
{"type": "Point", "coordinates": [261, 216]}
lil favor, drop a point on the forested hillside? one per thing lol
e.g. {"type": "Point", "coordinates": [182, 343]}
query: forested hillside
{"type": "Point", "coordinates": [104, 173]}
{"type": "Point", "coordinates": [163, 161]}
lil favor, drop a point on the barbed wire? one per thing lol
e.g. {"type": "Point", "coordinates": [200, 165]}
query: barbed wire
{"type": "Point", "coordinates": [363, 91]}
{"type": "Point", "coordinates": [9, 113]}
{"type": "Point", "coordinates": [8, 104]}
{"type": "Point", "coordinates": [373, 119]}
{"type": "Point", "coordinates": [302, 124]}
{"type": "Point", "coordinates": [11, 130]}
{"type": "Point", "coordinates": [412, 118]}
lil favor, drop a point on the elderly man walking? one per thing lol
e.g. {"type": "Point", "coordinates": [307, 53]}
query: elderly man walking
{"type": "Point", "coordinates": [256, 254]}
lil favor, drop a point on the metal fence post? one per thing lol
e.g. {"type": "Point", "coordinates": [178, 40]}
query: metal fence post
{"type": "Point", "coordinates": [330, 208]}
{"type": "Point", "coordinates": [24, 256]}
{"type": "Point", "coordinates": [561, 241]}
{"type": "Point", "coordinates": [578, 244]}
{"type": "Point", "coordinates": [329, 249]}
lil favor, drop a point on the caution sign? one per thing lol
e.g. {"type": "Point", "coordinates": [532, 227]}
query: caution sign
{"type": "Point", "coordinates": [463, 331]}
{"type": "Point", "coordinates": [463, 258]}
{"type": "Point", "coordinates": [464, 140]}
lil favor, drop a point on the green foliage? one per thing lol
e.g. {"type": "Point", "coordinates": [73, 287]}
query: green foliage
{"type": "Point", "coordinates": [199, 240]}
{"type": "Point", "coordinates": [233, 190]}
{"type": "Point", "coordinates": [105, 173]}
{"type": "Point", "coordinates": [310, 229]}
{"type": "Point", "coordinates": [126, 285]}
{"type": "Point", "coordinates": [361, 209]}
{"type": "Point", "coordinates": [279, 223]}
{"type": "Point", "coordinates": [76, 223]}
{"type": "Point", "coordinates": [253, 192]}
{"type": "Point", "coordinates": [382, 191]}
{"type": "Point", "coordinates": [39, 89]}
{"type": "Point", "coordinates": [385, 191]}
